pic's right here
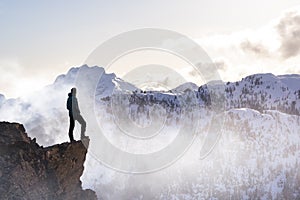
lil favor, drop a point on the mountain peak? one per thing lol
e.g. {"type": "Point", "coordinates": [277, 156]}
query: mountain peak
{"type": "Point", "coordinates": [183, 87]}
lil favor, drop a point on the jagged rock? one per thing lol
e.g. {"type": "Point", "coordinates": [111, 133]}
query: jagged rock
{"type": "Point", "coordinates": [29, 171]}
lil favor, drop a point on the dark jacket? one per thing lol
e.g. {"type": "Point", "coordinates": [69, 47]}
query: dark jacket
{"type": "Point", "coordinates": [72, 105]}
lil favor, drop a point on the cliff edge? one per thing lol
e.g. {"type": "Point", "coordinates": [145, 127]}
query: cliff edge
{"type": "Point", "coordinates": [29, 171]}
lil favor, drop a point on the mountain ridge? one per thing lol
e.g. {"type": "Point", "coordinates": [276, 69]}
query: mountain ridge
{"type": "Point", "coordinates": [47, 106]}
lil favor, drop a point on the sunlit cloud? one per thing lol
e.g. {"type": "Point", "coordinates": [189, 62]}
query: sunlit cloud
{"type": "Point", "coordinates": [18, 79]}
{"type": "Point", "coordinates": [272, 48]}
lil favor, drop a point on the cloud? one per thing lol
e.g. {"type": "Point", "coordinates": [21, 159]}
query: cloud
{"type": "Point", "coordinates": [289, 32]}
{"type": "Point", "coordinates": [255, 48]}
{"type": "Point", "coordinates": [221, 65]}
{"type": "Point", "coordinates": [42, 112]}
{"type": "Point", "coordinates": [17, 79]}
{"type": "Point", "coordinates": [272, 48]}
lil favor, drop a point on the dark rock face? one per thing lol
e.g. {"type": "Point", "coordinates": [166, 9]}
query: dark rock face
{"type": "Point", "coordinates": [29, 171]}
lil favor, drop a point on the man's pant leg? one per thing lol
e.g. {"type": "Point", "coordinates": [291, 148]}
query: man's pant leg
{"type": "Point", "coordinates": [82, 122]}
{"type": "Point", "coordinates": [71, 128]}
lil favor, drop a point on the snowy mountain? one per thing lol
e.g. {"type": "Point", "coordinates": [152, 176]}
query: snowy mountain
{"type": "Point", "coordinates": [257, 155]}
{"type": "Point", "coordinates": [107, 82]}
{"type": "Point", "coordinates": [185, 86]}
{"type": "Point", "coordinates": [259, 92]}
{"type": "Point", "coordinates": [265, 92]}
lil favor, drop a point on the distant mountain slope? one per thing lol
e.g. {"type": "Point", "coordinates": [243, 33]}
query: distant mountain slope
{"type": "Point", "coordinates": [261, 92]}
{"type": "Point", "coordinates": [256, 157]}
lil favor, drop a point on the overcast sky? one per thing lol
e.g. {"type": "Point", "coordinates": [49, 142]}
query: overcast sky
{"type": "Point", "coordinates": [42, 39]}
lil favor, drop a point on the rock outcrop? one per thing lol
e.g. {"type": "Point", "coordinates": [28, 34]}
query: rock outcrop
{"type": "Point", "coordinates": [30, 171]}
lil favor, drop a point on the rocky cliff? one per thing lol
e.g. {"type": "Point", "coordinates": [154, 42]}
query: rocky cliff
{"type": "Point", "coordinates": [30, 171]}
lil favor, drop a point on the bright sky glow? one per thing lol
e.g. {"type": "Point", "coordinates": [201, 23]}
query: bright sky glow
{"type": "Point", "coordinates": [42, 39]}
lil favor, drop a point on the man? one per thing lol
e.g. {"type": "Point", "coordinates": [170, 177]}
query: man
{"type": "Point", "coordinates": [74, 114]}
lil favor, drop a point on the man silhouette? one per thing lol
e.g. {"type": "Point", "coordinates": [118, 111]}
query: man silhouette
{"type": "Point", "coordinates": [74, 114]}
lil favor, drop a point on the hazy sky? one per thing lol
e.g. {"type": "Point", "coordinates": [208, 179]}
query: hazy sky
{"type": "Point", "coordinates": [42, 39]}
